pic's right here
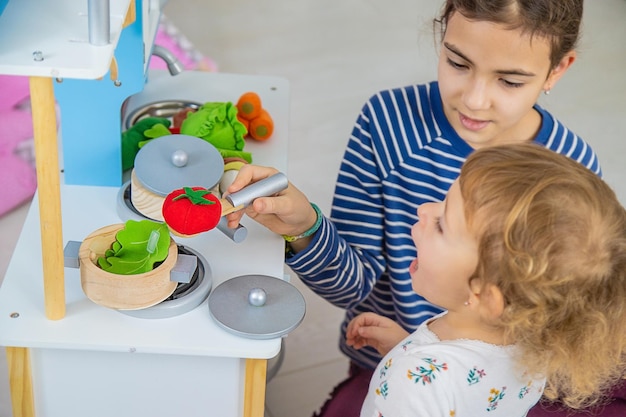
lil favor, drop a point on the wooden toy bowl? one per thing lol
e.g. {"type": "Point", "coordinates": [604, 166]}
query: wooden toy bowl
{"type": "Point", "coordinates": [122, 292]}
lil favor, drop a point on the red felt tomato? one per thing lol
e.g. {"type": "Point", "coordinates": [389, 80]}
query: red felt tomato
{"type": "Point", "coordinates": [191, 210]}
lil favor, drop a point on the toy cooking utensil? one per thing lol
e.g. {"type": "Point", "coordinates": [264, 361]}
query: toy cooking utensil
{"type": "Point", "coordinates": [192, 210]}
{"type": "Point", "coordinates": [244, 197]}
{"type": "Point", "coordinates": [257, 306]}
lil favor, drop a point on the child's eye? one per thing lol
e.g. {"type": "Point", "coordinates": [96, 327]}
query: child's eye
{"type": "Point", "coordinates": [438, 224]}
{"type": "Point", "coordinates": [512, 84]}
{"type": "Point", "coordinates": [455, 65]}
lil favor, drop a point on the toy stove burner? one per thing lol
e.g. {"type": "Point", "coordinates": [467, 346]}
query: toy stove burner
{"type": "Point", "coordinates": [185, 297]}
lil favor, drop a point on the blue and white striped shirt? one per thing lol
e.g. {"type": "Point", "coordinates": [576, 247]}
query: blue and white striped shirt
{"type": "Point", "coordinates": [402, 152]}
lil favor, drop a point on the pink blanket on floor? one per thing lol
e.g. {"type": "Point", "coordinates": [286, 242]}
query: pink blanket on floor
{"type": "Point", "coordinates": [18, 180]}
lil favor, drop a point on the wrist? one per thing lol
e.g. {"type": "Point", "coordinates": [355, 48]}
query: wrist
{"type": "Point", "coordinates": [311, 230]}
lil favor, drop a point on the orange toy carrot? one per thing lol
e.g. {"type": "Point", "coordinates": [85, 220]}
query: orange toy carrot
{"type": "Point", "coordinates": [261, 127]}
{"type": "Point", "coordinates": [244, 122]}
{"type": "Point", "coordinates": [249, 105]}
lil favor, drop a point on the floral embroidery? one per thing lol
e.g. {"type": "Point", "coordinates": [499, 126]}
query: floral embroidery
{"type": "Point", "coordinates": [383, 389]}
{"type": "Point", "coordinates": [404, 345]}
{"type": "Point", "coordinates": [452, 413]}
{"type": "Point", "coordinates": [427, 374]}
{"type": "Point", "coordinates": [386, 366]}
{"type": "Point", "coordinates": [524, 391]}
{"type": "Point", "coordinates": [495, 396]}
{"type": "Point", "coordinates": [475, 375]}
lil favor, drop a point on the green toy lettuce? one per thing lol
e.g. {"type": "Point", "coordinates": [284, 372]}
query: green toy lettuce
{"type": "Point", "coordinates": [137, 248]}
{"type": "Point", "coordinates": [216, 122]}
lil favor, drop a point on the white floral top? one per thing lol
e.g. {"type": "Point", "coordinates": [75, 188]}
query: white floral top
{"type": "Point", "coordinates": [426, 377]}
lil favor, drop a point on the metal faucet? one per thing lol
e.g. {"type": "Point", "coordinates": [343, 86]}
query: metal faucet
{"type": "Point", "coordinates": [174, 66]}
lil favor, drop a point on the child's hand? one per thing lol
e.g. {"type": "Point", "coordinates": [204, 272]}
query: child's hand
{"type": "Point", "coordinates": [287, 213]}
{"type": "Point", "coordinates": [369, 329]}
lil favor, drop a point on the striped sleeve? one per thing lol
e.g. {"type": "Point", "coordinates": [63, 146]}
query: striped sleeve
{"type": "Point", "coordinates": [346, 257]}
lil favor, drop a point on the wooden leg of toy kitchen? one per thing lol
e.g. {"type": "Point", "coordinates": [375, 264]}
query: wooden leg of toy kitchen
{"type": "Point", "coordinates": [20, 381]}
{"type": "Point", "coordinates": [48, 185]}
{"type": "Point", "coordinates": [131, 15]}
{"type": "Point", "coordinates": [254, 394]}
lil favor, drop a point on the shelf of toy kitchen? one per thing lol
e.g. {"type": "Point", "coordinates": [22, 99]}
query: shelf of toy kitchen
{"type": "Point", "coordinates": [59, 29]}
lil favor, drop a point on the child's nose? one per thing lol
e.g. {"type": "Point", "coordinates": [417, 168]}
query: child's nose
{"type": "Point", "coordinates": [476, 96]}
{"type": "Point", "coordinates": [422, 212]}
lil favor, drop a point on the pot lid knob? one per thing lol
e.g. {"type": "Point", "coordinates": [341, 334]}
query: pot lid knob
{"type": "Point", "coordinates": [257, 297]}
{"type": "Point", "coordinates": [257, 306]}
{"type": "Point", "coordinates": [180, 158]}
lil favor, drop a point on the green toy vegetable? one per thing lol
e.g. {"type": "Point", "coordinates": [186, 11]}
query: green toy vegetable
{"type": "Point", "coordinates": [217, 123]}
{"type": "Point", "coordinates": [132, 137]}
{"type": "Point", "coordinates": [137, 248]}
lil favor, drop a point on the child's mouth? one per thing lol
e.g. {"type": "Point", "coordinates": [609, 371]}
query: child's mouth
{"type": "Point", "coordinates": [472, 124]}
{"type": "Point", "coordinates": [414, 266]}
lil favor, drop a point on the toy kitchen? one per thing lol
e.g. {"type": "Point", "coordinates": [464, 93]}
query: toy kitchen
{"type": "Point", "coordinates": [81, 340]}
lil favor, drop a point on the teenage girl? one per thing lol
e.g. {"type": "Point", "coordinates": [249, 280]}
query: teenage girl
{"type": "Point", "coordinates": [406, 149]}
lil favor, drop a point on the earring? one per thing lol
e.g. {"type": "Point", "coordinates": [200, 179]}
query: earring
{"type": "Point", "coordinates": [546, 92]}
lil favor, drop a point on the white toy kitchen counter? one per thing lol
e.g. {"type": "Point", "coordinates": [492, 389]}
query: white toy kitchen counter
{"type": "Point", "coordinates": [98, 361]}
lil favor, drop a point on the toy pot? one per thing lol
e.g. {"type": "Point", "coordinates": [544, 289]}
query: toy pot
{"type": "Point", "coordinates": [169, 163]}
{"type": "Point", "coordinates": [122, 292]}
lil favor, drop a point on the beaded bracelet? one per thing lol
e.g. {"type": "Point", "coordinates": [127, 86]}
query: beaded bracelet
{"type": "Point", "coordinates": [312, 230]}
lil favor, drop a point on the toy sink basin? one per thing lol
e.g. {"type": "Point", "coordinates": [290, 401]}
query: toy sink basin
{"type": "Point", "coordinates": [122, 292]}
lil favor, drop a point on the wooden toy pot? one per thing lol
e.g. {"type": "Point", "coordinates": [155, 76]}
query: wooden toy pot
{"type": "Point", "coordinates": [122, 292]}
{"type": "Point", "coordinates": [168, 163]}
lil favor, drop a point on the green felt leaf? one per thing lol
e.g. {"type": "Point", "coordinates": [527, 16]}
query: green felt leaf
{"type": "Point", "coordinates": [138, 246]}
{"type": "Point", "coordinates": [195, 196]}
{"type": "Point", "coordinates": [157, 131]}
{"type": "Point", "coordinates": [239, 154]}
{"type": "Point", "coordinates": [132, 137]}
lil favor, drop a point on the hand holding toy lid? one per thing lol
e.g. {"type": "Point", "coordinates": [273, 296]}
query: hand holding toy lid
{"type": "Point", "coordinates": [192, 210]}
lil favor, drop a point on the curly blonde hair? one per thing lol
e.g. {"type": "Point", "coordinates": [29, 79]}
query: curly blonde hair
{"type": "Point", "coordinates": [552, 238]}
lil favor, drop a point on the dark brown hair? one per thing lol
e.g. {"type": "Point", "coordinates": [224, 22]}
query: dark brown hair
{"type": "Point", "coordinates": [556, 20]}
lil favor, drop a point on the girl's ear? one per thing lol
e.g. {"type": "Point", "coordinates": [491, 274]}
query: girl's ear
{"type": "Point", "coordinates": [557, 72]}
{"type": "Point", "coordinates": [488, 299]}
{"type": "Point", "coordinates": [493, 302]}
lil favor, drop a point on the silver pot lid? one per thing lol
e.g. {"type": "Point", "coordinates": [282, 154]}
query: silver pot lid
{"type": "Point", "coordinates": [257, 306]}
{"type": "Point", "coordinates": [171, 162]}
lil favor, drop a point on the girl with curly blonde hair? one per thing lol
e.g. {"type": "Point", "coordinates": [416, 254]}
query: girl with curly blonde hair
{"type": "Point", "coordinates": [527, 255]}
